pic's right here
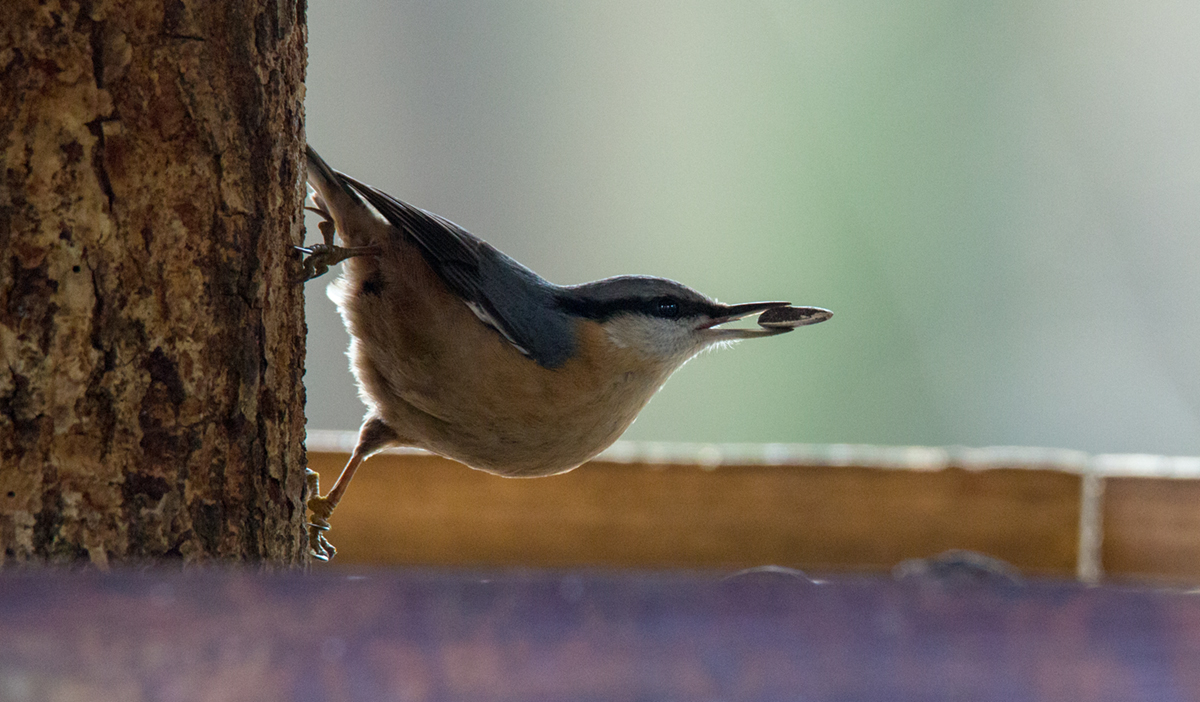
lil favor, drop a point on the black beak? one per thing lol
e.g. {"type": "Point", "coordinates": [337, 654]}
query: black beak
{"type": "Point", "coordinates": [779, 318]}
{"type": "Point", "coordinates": [730, 313]}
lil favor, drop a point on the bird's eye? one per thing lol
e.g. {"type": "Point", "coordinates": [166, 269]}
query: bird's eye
{"type": "Point", "coordinates": [666, 308]}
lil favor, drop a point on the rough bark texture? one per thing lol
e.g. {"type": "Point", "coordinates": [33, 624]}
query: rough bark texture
{"type": "Point", "coordinates": [151, 404]}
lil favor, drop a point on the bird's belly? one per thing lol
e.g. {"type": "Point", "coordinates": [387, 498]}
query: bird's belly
{"type": "Point", "coordinates": [510, 433]}
{"type": "Point", "coordinates": [530, 448]}
{"type": "Point", "coordinates": [443, 381]}
{"type": "Point", "coordinates": [531, 423]}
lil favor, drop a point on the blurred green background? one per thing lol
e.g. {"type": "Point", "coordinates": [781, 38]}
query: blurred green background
{"type": "Point", "coordinates": [999, 201]}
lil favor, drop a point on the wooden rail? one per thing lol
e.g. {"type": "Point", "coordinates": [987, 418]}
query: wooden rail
{"type": "Point", "coordinates": [817, 508]}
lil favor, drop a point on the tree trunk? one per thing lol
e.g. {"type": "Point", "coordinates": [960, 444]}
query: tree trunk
{"type": "Point", "coordinates": [151, 403]}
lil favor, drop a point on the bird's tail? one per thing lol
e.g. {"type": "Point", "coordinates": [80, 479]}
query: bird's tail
{"type": "Point", "coordinates": [335, 197]}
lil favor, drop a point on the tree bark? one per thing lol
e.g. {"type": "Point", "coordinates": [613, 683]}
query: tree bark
{"type": "Point", "coordinates": [151, 396]}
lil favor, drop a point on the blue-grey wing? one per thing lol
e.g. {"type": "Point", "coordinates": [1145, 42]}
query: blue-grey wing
{"type": "Point", "coordinates": [505, 295]}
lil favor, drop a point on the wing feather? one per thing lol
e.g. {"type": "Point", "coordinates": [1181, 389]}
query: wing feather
{"type": "Point", "coordinates": [502, 293]}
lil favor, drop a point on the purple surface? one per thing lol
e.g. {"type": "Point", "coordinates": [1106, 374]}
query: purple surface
{"type": "Point", "coordinates": [388, 635]}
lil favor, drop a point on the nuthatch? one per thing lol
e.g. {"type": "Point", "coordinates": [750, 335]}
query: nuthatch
{"type": "Point", "coordinates": [460, 350]}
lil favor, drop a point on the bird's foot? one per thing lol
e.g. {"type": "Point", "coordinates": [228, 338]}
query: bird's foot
{"type": "Point", "coordinates": [319, 257]}
{"type": "Point", "coordinates": [318, 545]}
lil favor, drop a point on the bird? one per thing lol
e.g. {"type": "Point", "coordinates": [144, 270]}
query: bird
{"type": "Point", "coordinates": [460, 350]}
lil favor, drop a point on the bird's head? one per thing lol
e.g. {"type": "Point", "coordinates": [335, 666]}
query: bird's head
{"type": "Point", "coordinates": [666, 321]}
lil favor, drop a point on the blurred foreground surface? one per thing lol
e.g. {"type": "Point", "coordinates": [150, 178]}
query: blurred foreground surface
{"type": "Point", "coordinates": [528, 636]}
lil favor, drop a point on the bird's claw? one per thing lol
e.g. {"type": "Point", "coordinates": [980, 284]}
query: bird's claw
{"type": "Point", "coordinates": [318, 545]}
{"type": "Point", "coordinates": [319, 257]}
{"type": "Point", "coordinates": [317, 260]}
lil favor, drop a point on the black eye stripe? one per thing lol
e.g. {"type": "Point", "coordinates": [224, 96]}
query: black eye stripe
{"type": "Point", "coordinates": [661, 306]}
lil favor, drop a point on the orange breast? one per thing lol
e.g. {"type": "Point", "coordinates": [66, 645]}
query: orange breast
{"type": "Point", "coordinates": [446, 382]}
